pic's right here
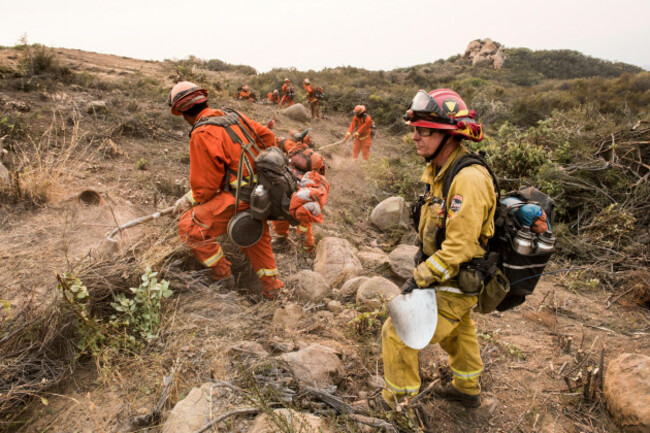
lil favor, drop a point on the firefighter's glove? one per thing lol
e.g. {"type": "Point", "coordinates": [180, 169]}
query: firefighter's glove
{"type": "Point", "coordinates": [409, 286]}
{"type": "Point", "coordinates": [181, 205]}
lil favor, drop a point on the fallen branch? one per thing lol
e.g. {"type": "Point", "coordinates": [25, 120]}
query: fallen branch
{"type": "Point", "coordinates": [240, 411]}
{"type": "Point", "coordinates": [154, 415]}
{"type": "Point", "coordinates": [373, 422]}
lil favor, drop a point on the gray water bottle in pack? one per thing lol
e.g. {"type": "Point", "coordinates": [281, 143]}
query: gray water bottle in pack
{"type": "Point", "coordinates": [523, 241]}
{"type": "Point", "coordinates": [545, 242]}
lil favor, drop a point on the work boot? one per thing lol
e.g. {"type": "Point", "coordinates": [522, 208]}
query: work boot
{"type": "Point", "coordinates": [281, 244]}
{"type": "Point", "coordinates": [226, 283]}
{"type": "Point", "coordinates": [271, 287]}
{"type": "Point", "coordinates": [450, 393]}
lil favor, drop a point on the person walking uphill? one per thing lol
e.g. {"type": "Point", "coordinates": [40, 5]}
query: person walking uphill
{"type": "Point", "coordinates": [287, 93]}
{"type": "Point", "coordinates": [441, 120]}
{"type": "Point", "coordinates": [215, 152]}
{"type": "Point", "coordinates": [360, 130]}
{"type": "Point", "coordinates": [312, 98]}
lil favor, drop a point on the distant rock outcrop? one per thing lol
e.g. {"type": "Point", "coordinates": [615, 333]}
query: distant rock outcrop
{"type": "Point", "coordinates": [485, 50]}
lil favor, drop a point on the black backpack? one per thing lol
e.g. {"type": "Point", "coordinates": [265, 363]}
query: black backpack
{"type": "Point", "coordinates": [521, 271]}
{"type": "Point", "coordinates": [271, 167]}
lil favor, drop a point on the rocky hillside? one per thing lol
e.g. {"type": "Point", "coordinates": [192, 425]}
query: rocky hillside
{"type": "Point", "coordinates": [88, 143]}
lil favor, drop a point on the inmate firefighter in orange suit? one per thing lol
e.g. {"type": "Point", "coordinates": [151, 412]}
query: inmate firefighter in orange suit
{"type": "Point", "coordinates": [307, 203]}
{"type": "Point", "coordinates": [206, 209]}
{"type": "Point", "coordinates": [287, 93]}
{"type": "Point", "coordinates": [314, 102]}
{"type": "Point", "coordinates": [360, 130]}
{"type": "Point", "coordinates": [441, 120]}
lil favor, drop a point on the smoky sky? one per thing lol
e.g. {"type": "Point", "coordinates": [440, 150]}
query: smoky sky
{"type": "Point", "coordinates": [305, 34]}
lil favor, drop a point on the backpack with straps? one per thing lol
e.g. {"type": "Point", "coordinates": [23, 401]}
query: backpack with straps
{"type": "Point", "coordinates": [271, 171]}
{"type": "Point", "coordinates": [505, 275]}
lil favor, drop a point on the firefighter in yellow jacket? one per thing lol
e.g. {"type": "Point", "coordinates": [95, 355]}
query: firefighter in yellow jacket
{"type": "Point", "coordinates": [442, 120]}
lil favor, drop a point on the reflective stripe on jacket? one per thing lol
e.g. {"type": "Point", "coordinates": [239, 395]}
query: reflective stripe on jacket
{"type": "Point", "coordinates": [362, 125]}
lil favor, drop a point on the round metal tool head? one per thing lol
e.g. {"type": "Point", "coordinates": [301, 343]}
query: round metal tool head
{"type": "Point", "coordinates": [415, 317]}
{"type": "Point", "coordinates": [244, 230]}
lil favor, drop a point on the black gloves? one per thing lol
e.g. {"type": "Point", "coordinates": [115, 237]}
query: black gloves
{"type": "Point", "coordinates": [409, 285]}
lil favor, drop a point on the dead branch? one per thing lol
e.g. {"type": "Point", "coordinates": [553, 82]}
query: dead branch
{"type": "Point", "coordinates": [240, 411]}
{"type": "Point", "coordinates": [373, 422]}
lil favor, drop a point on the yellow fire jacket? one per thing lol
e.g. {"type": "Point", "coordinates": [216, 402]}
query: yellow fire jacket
{"type": "Point", "coordinates": [470, 221]}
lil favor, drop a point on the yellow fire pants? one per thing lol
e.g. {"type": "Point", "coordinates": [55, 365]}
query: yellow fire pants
{"type": "Point", "coordinates": [456, 333]}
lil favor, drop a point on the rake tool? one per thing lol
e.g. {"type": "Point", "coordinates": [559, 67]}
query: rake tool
{"type": "Point", "coordinates": [138, 221]}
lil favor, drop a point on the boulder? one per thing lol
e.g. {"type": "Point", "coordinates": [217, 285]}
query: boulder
{"type": "Point", "coordinates": [334, 306]}
{"type": "Point", "coordinates": [283, 420]}
{"type": "Point", "coordinates": [348, 291]}
{"type": "Point", "coordinates": [488, 47]}
{"type": "Point", "coordinates": [372, 257]}
{"type": "Point", "coordinates": [336, 260]}
{"type": "Point", "coordinates": [248, 348]}
{"type": "Point", "coordinates": [297, 112]}
{"type": "Point", "coordinates": [5, 178]}
{"type": "Point", "coordinates": [96, 107]}
{"type": "Point", "coordinates": [401, 261]}
{"type": "Point", "coordinates": [191, 413]}
{"type": "Point", "coordinates": [391, 213]}
{"type": "Point", "coordinates": [311, 286]}
{"type": "Point", "coordinates": [627, 391]}
{"type": "Point", "coordinates": [315, 365]}
{"type": "Point", "coordinates": [376, 291]}
{"type": "Point", "coordinates": [288, 316]}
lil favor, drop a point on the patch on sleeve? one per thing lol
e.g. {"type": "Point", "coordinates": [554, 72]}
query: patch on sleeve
{"type": "Point", "coordinates": [455, 204]}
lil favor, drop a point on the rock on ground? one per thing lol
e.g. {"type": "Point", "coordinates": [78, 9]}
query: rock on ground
{"type": "Point", "coordinates": [372, 257]}
{"type": "Point", "coordinates": [401, 262]}
{"type": "Point", "coordinates": [348, 291]}
{"type": "Point", "coordinates": [336, 260]}
{"type": "Point", "coordinates": [376, 291]}
{"type": "Point", "coordinates": [191, 413]}
{"type": "Point", "coordinates": [288, 316]}
{"type": "Point", "coordinates": [248, 348]}
{"type": "Point", "coordinates": [5, 179]}
{"type": "Point", "coordinates": [311, 286]}
{"type": "Point", "coordinates": [282, 420]}
{"type": "Point", "coordinates": [315, 365]}
{"type": "Point", "coordinates": [627, 391]}
{"type": "Point", "coordinates": [391, 213]}
{"type": "Point", "coordinates": [96, 107]}
{"type": "Point", "coordinates": [297, 112]}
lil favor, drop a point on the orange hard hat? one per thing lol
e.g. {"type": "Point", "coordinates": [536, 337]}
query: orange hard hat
{"type": "Point", "coordinates": [286, 80]}
{"type": "Point", "coordinates": [276, 91]}
{"type": "Point", "coordinates": [306, 81]}
{"type": "Point", "coordinates": [244, 87]}
{"type": "Point", "coordinates": [359, 109]}
{"type": "Point", "coordinates": [185, 95]}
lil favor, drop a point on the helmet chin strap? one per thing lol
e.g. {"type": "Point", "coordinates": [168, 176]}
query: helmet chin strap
{"type": "Point", "coordinates": [439, 149]}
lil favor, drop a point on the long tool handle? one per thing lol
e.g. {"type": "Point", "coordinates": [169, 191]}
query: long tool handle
{"type": "Point", "coordinates": [330, 145]}
{"type": "Point", "coordinates": [141, 220]}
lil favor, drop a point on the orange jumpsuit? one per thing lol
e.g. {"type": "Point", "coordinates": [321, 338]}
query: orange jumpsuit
{"type": "Point", "coordinates": [314, 102]}
{"type": "Point", "coordinates": [273, 97]}
{"type": "Point", "coordinates": [286, 99]}
{"type": "Point", "coordinates": [211, 151]}
{"type": "Point", "coordinates": [362, 139]}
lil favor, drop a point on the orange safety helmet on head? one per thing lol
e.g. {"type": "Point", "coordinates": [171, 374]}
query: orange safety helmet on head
{"type": "Point", "coordinates": [244, 87]}
{"type": "Point", "coordinates": [286, 80]}
{"type": "Point", "coordinates": [445, 110]}
{"type": "Point", "coordinates": [359, 110]}
{"type": "Point", "coordinates": [185, 95]}
{"type": "Point", "coordinates": [276, 91]}
{"type": "Point", "coordinates": [306, 81]}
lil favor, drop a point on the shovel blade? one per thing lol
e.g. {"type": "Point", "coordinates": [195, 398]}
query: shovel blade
{"type": "Point", "coordinates": [415, 317]}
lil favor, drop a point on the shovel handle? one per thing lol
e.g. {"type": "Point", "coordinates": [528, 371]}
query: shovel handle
{"type": "Point", "coordinates": [330, 145]}
{"type": "Point", "coordinates": [140, 220]}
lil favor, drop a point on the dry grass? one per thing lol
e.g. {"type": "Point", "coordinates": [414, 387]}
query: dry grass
{"type": "Point", "coordinates": [43, 165]}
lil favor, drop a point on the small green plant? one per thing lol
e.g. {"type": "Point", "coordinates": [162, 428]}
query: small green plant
{"type": "Point", "coordinates": [141, 164]}
{"type": "Point", "coordinates": [512, 350]}
{"type": "Point", "coordinates": [135, 322]}
{"type": "Point", "coordinates": [141, 313]}
{"type": "Point", "coordinates": [369, 322]}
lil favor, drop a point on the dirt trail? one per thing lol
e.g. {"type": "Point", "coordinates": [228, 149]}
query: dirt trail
{"type": "Point", "coordinates": [524, 350]}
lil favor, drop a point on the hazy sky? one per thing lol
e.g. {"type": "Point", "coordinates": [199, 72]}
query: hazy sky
{"type": "Point", "coordinates": [380, 34]}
